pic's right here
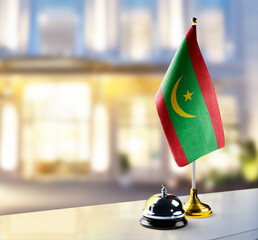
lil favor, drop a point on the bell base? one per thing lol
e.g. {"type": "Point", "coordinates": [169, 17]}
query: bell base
{"type": "Point", "coordinates": [194, 208]}
{"type": "Point", "coordinates": [163, 224]}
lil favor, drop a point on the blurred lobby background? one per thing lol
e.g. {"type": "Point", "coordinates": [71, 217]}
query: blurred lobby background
{"type": "Point", "coordinates": [78, 123]}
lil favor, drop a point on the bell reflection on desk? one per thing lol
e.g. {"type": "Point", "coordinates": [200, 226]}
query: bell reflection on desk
{"type": "Point", "coordinates": [163, 211]}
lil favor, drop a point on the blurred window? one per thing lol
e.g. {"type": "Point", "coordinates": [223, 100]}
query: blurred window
{"type": "Point", "coordinates": [137, 32]}
{"type": "Point", "coordinates": [57, 33]}
{"type": "Point", "coordinates": [9, 137]}
{"type": "Point", "coordinates": [170, 23]}
{"type": "Point", "coordinates": [218, 32]}
{"type": "Point", "coordinates": [139, 137]}
{"type": "Point", "coordinates": [100, 153]}
{"type": "Point", "coordinates": [56, 128]}
{"type": "Point", "coordinates": [96, 24]}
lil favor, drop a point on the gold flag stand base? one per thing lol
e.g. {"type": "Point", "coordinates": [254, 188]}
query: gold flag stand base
{"type": "Point", "coordinates": [194, 208]}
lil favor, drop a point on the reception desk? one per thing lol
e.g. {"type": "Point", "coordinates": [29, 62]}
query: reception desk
{"type": "Point", "coordinates": [235, 216]}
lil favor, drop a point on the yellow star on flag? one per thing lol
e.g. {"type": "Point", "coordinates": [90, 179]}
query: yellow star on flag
{"type": "Point", "coordinates": [188, 95]}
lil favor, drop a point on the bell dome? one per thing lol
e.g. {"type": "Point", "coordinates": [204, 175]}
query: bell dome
{"type": "Point", "coordinates": [163, 211]}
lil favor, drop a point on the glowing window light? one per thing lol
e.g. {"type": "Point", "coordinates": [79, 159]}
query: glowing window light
{"type": "Point", "coordinates": [27, 152]}
{"type": "Point", "coordinates": [139, 137]}
{"type": "Point", "coordinates": [9, 138]}
{"type": "Point", "coordinates": [139, 114]}
{"type": "Point", "coordinates": [99, 21]}
{"type": "Point", "coordinates": [140, 31]}
{"type": "Point", "coordinates": [11, 16]}
{"type": "Point", "coordinates": [138, 150]}
{"type": "Point", "coordinates": [163, 14]}
{"type": "Point", "coordinates": [73, 100]}
{"type": "Point", "coordinates": [176, 19]}
{"type": "Point", "coordinates": [38, 92]}
{"type": "Point", "coordinates": [100, 158]}
{"type": "Point", "coordinates": [214, 39]}
{"type": "Point", "coordinates": [56, 124]}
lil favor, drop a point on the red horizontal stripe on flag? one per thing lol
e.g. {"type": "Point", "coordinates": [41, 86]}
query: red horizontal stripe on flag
{"type": "Point", "coordinates": [173, 141]}
{"type": "Point", "coordinates": [206, 86]}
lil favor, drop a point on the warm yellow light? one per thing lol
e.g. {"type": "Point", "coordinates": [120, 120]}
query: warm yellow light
{"type": "Point", "coordinates": [139, 112]}
{"type": "Point", "coordinates": [58, 127]}
{"type": "Point", "coordinates": [9, 138]}
{"type": "Point", "coordinates": [100, 158]}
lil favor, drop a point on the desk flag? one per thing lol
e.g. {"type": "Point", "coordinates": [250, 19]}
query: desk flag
{"type": "Point", "coordinates": [187, 105]}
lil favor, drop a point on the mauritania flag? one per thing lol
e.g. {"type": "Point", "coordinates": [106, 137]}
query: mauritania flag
{"type": "Point", "coordinates": [187, 105]}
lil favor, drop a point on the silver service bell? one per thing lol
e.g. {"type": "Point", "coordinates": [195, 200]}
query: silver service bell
{"type": "Point", "coordinates": [163, 211]}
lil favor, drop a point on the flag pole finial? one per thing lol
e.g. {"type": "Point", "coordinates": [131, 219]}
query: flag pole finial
{"type": "Point", "coordinates": [194, 21]}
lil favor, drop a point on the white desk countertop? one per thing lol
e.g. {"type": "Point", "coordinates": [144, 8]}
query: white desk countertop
{"type": "Point", "coordinates": [235, 216]}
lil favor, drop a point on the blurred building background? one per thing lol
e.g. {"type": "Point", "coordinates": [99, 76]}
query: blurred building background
{"type": "Point", "coordinates": [77, 86]}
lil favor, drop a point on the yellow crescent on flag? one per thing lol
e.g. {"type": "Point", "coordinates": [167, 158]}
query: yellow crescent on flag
{"type": "Point", "coordinates": [175, 105]}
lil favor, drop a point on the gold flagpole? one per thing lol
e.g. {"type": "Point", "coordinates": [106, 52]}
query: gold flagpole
{"type": "Point", "coordinates": [194, 208]}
